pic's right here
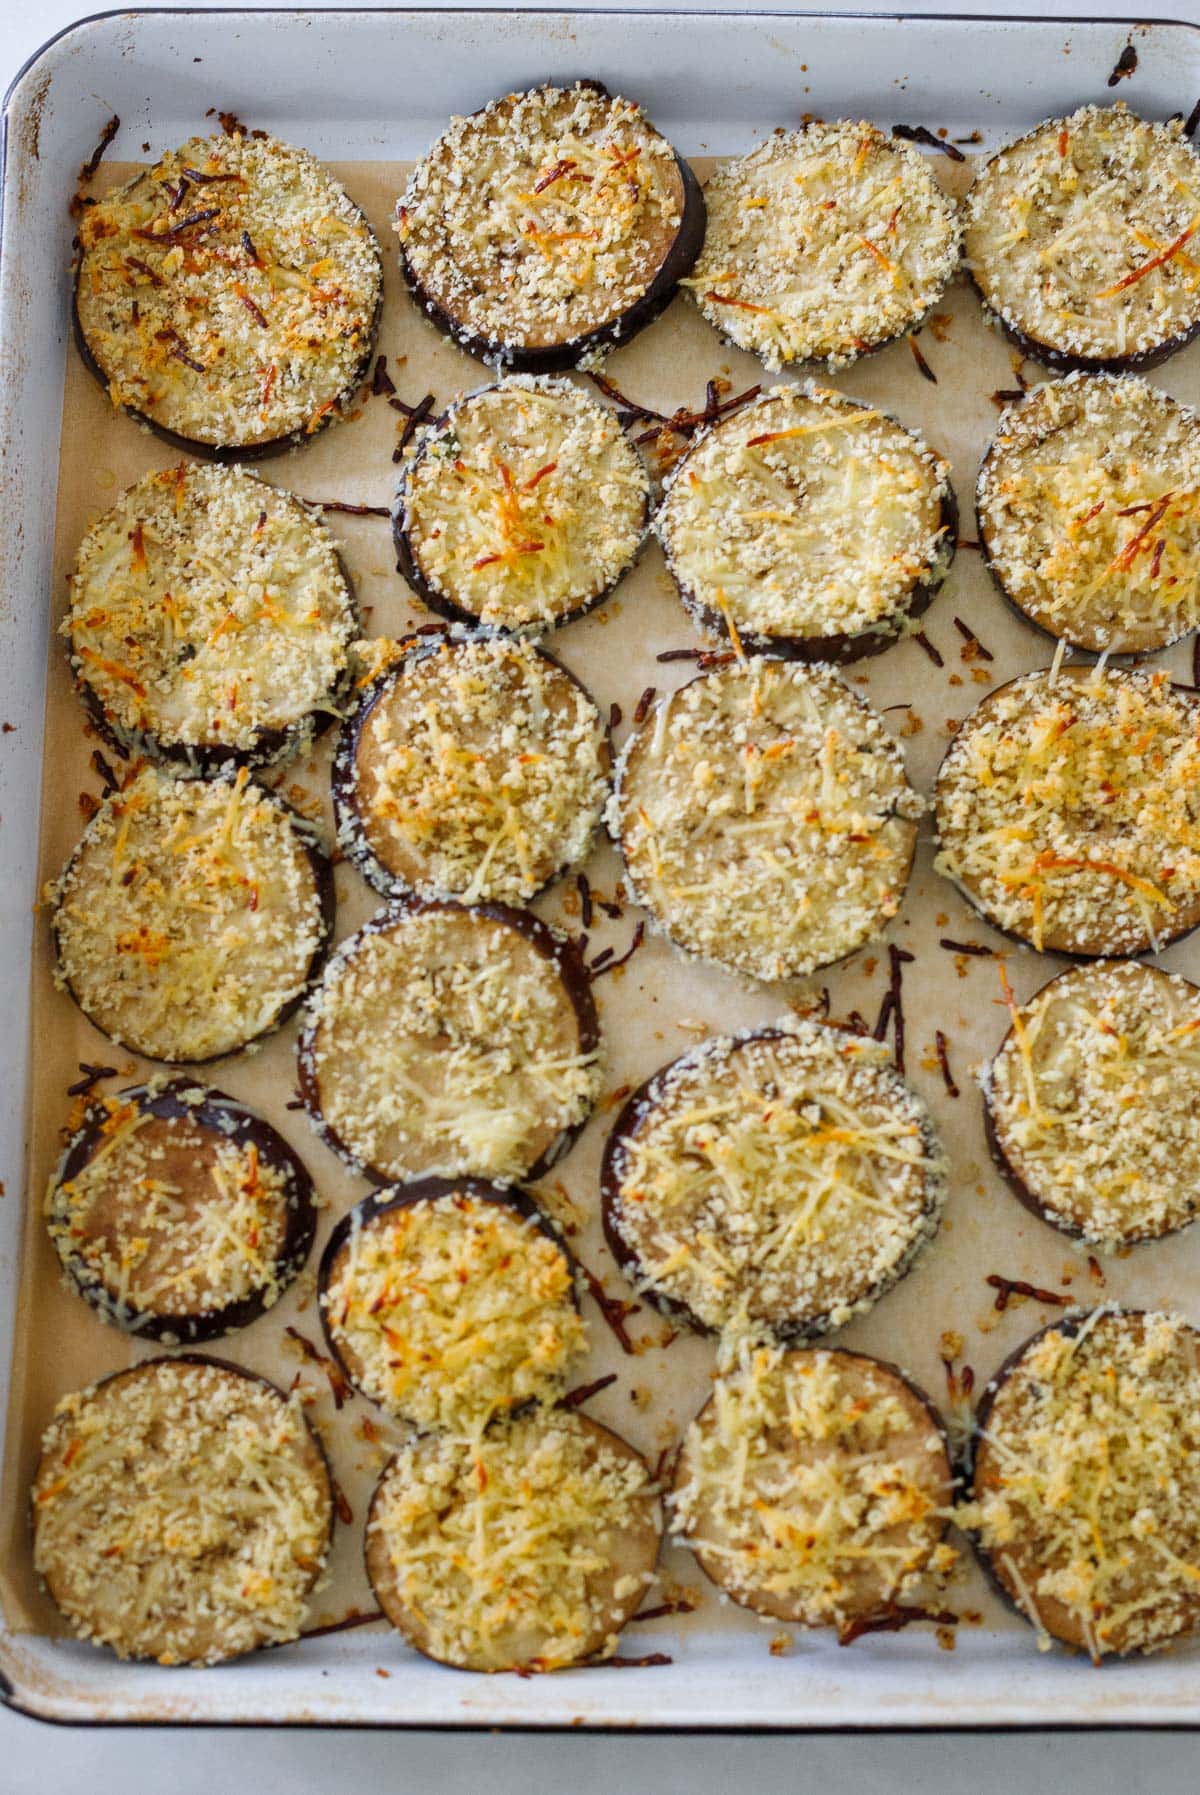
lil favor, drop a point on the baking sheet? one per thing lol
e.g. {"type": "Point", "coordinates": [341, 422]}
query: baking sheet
{"type": "Point", "coordinates": [650, 1011]}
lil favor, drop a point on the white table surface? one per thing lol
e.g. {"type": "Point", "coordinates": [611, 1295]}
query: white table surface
{"type": "Point", "coordinates": [41, 1760]}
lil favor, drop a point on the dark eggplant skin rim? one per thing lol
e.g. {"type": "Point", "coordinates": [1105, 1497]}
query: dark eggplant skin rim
{"type": "Point", "coordinates": [799, 1332]}
{"type": "Point", "coordinates": [351, 834]}
{"type": "Point", "coordinates": [270, 748]}
{"type": "Point", "coordinates": [557, 358]}
{"type": "Point", "coordinates": [322, 871]}
{"type": "Point", "coordinates": [322, 1456]}
{"type": "Point", "coordinates": [224, 1116]}
{"type": "Point", "coordinates": [441, 603]}
{"type": "Point", "coordinates": [841, 646]}
{"type": "Point", "coordinates": [414, 1195]}
{"type": "Point", "coordinates": [559, 951]}
{"type": "Point", "coordinates": [595, 1426]}
{"type": "Point", "coordinates": [1076, 955]}
{"type": "Point", "coordinates": [923, 1401]}
{"type": "Point", "coordinates": [1024, 1194]}
{"type": "Point", "coordinates": [1069, 1326]}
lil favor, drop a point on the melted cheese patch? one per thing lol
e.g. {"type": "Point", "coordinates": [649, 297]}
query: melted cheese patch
{"type": "Point", "coordinates": [442, 1041]}
{"type": "Point", "coordinates": [1095, 1100]}
{"type": "Point", "coordinates": [451, 1312]}
{"type": "Point", "coordinates": [1069, 809]}
{"type": "Point", "coordinates": [813, 1486]}
{"type": "Point", "coordinates": [181, 1512]}
{"type": "Point", "coordinates": [824, 243]}
{"type": "Point", "coordinates": [479, 771]}
{"type": "Point", "coordinates": [777, 1180]}
{"type": "Point", "coordinates": [529, 1546]}
{"type": "Point", "coordinates": [1080, 235]}
{"type": "Point", "coordinates": [806, 516]}
{"type": "Point", "coordinates": [543, 217]}
{"type": "Point", "coordinates": [1087, 1482]}
{"type": "Point", "coordinates": [525, 504]}
{"type": "Point", "coordinates": [188, 917]}
{"type": "Point", "coordinates": [1089, 509]}
{"type": "Point", "coordinates": [765, 818]}
{"type": "Point", "coordinates": [209, 610]}
{"type": "Point", "coordinates": [230, 292]}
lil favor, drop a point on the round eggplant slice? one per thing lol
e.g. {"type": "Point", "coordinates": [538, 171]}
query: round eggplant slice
{"type": "Point", "coordinates": [182, 1512]}
{"type": "Point", "coordinates": [815, 1486]}
{"type": "Point", "coordinates": [525, 1548]}
{"type": "Point", "coordinates": [476, 767]}
{"type": "Point", "coordinates": [548, 227]}
{"type": "Point", "coordinates": [765, 818]}
{"type": "Point", "coordinates": [1067, 807]}
{"type": "Point", "coordinates": [451, 1040]}
{"type": "Point", "coordinates": [1086, 1481]}
{"type": "Point", "coordinates": [522, 507]}
{"type": "Point", "coordinates": [1088, 515]}
{"type": "Point", "coordinates": [1075, 238]}
{"type": "Point", "coordinates": [229, 296]}
{"type": "Point", "coordinates": [780, 1180]}
{"type": "Point", "coordinates": [1093, 1103]}
{"type": "Point", "coordinates": [178, 1214]}
{"type": "Point", "coordinates": [210, 620]}
{"type": "Point", "coordinates": [450, 1302]}
{"type": "Point", "coordinates": [192, 915]}
{"type": "Point", "coordinates": [824, 244]}
{"type": "Point", "coordinates": [808, 526]}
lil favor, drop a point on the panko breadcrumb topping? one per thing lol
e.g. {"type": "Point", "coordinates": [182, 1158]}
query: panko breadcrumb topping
{"type": "Point", "coordinates": [1087, 1481]}
{"type": "Point", "coordinates": [182, 1512]}
{"type": "Point", "coordinates": [1068, 808]}
{"type": "Point", "coordinates": [806, 516]}
{"type": "Point", "coordinates": [209, 611]}
{"type": "Point", "coordinates": [1094, 1100]}
{"type": "Point", "coordinates": [781, 1179]}
{"type": "Point", "coordinates": [823, 244]}
{"type": "Point", "coordinates": [230, 293]}
{"type": "Point", "coordinates": [477, 769]}
{"type": "Point", "coordinates": [523, 505]}
{"type": "Point", "coordinates": [452, 1310]}
{"type": "Point", "coordinates": [1089, 512]}
{"type": "Point", "coordinates": [1077, 234]}
{"type": "Point", "coordinates": [526, 1547]}
{"type": "Point", "coordinates": [765, 818]}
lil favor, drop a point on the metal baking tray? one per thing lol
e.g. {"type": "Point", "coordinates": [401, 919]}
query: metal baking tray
{"type": "Point", "coordinates": [376, 87]}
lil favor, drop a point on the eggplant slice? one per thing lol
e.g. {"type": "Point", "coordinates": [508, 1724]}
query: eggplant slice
{"type": "Point", "coordinates": [525, 1548]}
{"type": "Point", "coordinates": [780, 1180]}
{"type": "Point", "coordinates": [522, 507]}
{"type": "Point", "coordinates": [1076, 238]}
{"type": "Point", "coordinates": [1067, 807]}
{"type": "Point", "coordinates": [1093, 1103]}
{"type": "Point", "coordinates": [475, 767]}
{"type": "Point", "coordinates": [808, 526]}
{"type": "Point", "coordinates": [765, 818]}
{"type": "Point", "coordinates": [1086, 1481]}
{"type": "Point", "coordinates": [824, 244]}
{"type": "Point", "coordinates": [178, 1214]}
{"type": "Point", "coordinates": [1088, 515]}
{"type": "Point", "coordinates": [152, 1527]}
{"type": "Point", "coordinates": [210, 620]}
{"type": "Point", "coordinates": [815, 1486]}
{"type": "Point", "coordinates": [451, 1302]}
{"type": "Point", "coordinates": [192, 916]}
{"type": "Point", "coordinates": [228, 296]}
{"type": "Point", "coordinates": [451, 1040]}
{"type": "Point", "coordinates": [548, 227]}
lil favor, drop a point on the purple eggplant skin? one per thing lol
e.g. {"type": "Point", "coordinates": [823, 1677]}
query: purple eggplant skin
{"type": "Point", "coordinates": [322, 869]}
{"type": "Point", "coordinates": [1063, 361]}
{"type": "Point", "coordinates": [562, 953]}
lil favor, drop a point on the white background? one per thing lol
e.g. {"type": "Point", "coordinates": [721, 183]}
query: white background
{"type": "Point", "coordinates": [41, 1760]}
